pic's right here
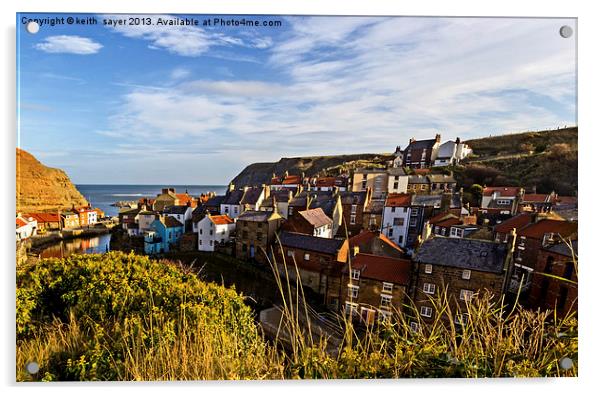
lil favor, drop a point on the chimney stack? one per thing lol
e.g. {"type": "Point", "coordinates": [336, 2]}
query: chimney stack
{"type": "Point", "coordinates": [437, 138]}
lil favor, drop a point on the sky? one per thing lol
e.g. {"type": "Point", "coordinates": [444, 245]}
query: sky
{"type": "Point", "coordinates": [154, 104]}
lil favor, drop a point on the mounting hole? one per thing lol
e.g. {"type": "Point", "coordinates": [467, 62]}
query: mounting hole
{"type": "Point", "coordinates": [32, 367]}
{"type": "Point", "coordinates": [566, 31]}
{"type": "Point", "coordinates": [32, 27]}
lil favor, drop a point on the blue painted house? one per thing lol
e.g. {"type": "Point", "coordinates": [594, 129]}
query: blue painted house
{"type": "Point", "coordinates": [164, 234]}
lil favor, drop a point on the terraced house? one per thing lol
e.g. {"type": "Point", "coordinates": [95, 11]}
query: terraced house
{"type": "Point", "coordinates": [255, 234]}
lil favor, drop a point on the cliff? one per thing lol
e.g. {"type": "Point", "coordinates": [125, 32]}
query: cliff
{"type": "Point", "coordinates": [41, 188]}
{"type": "Point", "coordinates": [261, 173]}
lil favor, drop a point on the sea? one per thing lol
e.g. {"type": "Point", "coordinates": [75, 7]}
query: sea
{"type": "Point", "coordinates": [102, 196]}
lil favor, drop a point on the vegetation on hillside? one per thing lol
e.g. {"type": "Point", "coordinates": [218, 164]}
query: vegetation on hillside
{"type": "Point", "coordinates": [126, 317]}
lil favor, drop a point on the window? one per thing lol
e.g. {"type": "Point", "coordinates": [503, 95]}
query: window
{"type": "Point", "coordinates": [387, 287]}
{"type": "Point", "coordinates": [413, 221]}
{"type": "Point", "coordinates": [466, 295]}
{"type": "Point", "coordinates": [211, 242]}
{"type": "Point", "coordinates": [350, 308]}
{"type": "Point", "coordinates": [568, 270]}
{"type": "Point", "coordinates": [353, 290]}
{"type": "Point", "coordinates": [395, 185]}
{"type": "Point", "coordinates": [352, 222]}
{"type": "Point", "coordinates": [393, 209]}
{"type": "Point", "coordinates": [306, 257]}
{"type": "Point", "coordinates": [503, 202]}
{"type": "Point", "coordinates": [211, 232]}
{"type": "Point", "coordinates": [466, 275]}
{"type": "Point", "coordinates": [355, 274]}
{"type": "Point", "coordinates": [429, 288]}
{"type": "Point", "coordinates": [290, 253]}
{"type": "Point", "coordinates": [226, 209]}
{"type": "Point", "coordinates": [423, 187]}
{"type": "Point", "coordinates": [353, 208]}
{"type": "Point", "coordinates": [390, 232]}
{"type": "Point", "coordinates": [235, 209]}
{"type": "Point", "coordinates": [200, 231]}
{"type": "Point", "coordinates": [200, 242]}
{"type": "Point", "coordinates": [428, 269]}
{"type": "Point", "coordinates": [455, 232]}
{"type": "Point", "coordinates": [385, 300]}
{"type": "Point", "coordinates": [426, 311]}
{"type": "Point", "coordinates": [414, 326]}
{"type": "Point", "coordinates": [396, 178]}
{"type": "Point", "coordinates": [461, 319]}
{"type": "Point", "coordinates": [398, 221]}
{"type": "Point", "coordinates": [414, 211]}
{"type": "Point", "coordinates": [384, 316]}
{"type": "Point", "coordinates": [400, 240]}
{"type": "Point", "coordinates": [364, 176]}
{"type": "Point", "coordinates": [364, 185]}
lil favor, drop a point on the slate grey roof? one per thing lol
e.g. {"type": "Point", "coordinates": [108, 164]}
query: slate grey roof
{"type": "Point", "coordinates": [171, 222]}
{"type": "Point", "coordinates": [418, 179]}
{"type": "Point", "coordinates": [215, 201]}
{"type": "Point", "coordinates": [563, 249]}
{"type": "Point", "coordinates": [175, 210]}
{"type": "Point", "coordinates": [426, 200]}
{"type": "Point", "coordinates": [255, 216]}
{"type": "Point", "coordinates": [310, 243]}
{"type": "Point", "coordinates": [480, 255]}
{"type": "Point", "coordinates": [353, 197]}
{"type": "Point", "coordinates": [440, 178]}
{"type": "Point", "coordinates": [396, 171]}
{"type": "Point", "coordinates": [251, 195]}
{"type": "Point", "coordinates": [421, 144]}
{"type": "Point", "coordinates": [234, 197]}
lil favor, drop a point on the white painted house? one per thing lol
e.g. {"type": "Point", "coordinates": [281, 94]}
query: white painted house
{"type": "Point", "coordinates": [451, 153]}
{"type": "Point", "coordinates": [25, 227]}
{"type": "Point", "coordinates": [232, 204]}
{"type": "Point", "coordinates": [396, 218]}
{"type": "Point", "coordinates": [214, 230]}
{"type": "Point", "coordinates": [398, 180]}
{"type": "Point", "coordinates": [180, 213]}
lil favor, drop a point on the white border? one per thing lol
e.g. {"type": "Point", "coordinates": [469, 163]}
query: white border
{"type": "Point", "coordinates": [589, 122]}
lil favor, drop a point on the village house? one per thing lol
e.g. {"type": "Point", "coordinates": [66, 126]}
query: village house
{"type": "Point", "coordinates": [70, 220]}
{"type": "Point", "coordinates": [374, 243]}
{"type": "Point", "coordinates": [501, 200]}
{"type": "Point", "coordinates": [554, 280]}
{"type": "Point", "coordinates": [397, 180]}
{"type": "Point", "coordinates": [373, 215]}
{"type": "Point", "coordinates": [340, 183]}
{"type": "Point", "coordinates": [439, 183]}
{"type": "Point", "coordinates": [312, 222]}
{"type": "Point", "coordinates": [281, 199]}
{"type": "Point", "coordinates": [128, 218]}
{"type": "Point", "coordinates": [529, 240]}
{"type": "Point", "coordinates": [319, 261]}
{"type": "Point", "coordinates": [329, 202]}
{"type": "Point", "coordinates": [254, 197]}
{"type": "Point", "coordinates": [354, 205]}
{"type": "Point", "coordinates": [182, 213]}
{"type": "Point", "coordinates": [375, 288]}
{"type": "Point", "coordinates": [87, 215]}
{"type": "Point", "coordinates": [396, 218]}
{"type": "Point", "coordinates": [452, 153]}
{"type": "Point", "coordinates": [463, 267]}
{"type": "Point", "coordinates": [46, 221]}
{"type": "Point", "coordinates": [214, 231]}
{"type": "Point", "coordinates": [145, 220]}
{"type": "Point", "coordinates": [26, 227]}
{"type": "Point", "coordinates": [286, 181]}
{"type": "Point", "coordinates": [456, 222]}
{"type": "Point", "coordinates": [421, 153]}
{"type": "Point", "coordinates": [255, 233]}
{"type": "Point", "coordinates": [232, 204]}
{"type": "Point", "coordinates": [397, 161]}
{"type": "Point", "coordinates": [374, 178]}
{"type": "Point", "coordinates": [164, 236]}
{"type": "Point", "coordinates": [537, 202]}
{"type": "Point", "coordinates": [419, 184]}
{"type": "Point", "coordinates": [166, 198]}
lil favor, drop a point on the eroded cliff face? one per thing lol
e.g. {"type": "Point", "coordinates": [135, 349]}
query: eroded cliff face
{"type": "Point", "coordinates": [41, 188]}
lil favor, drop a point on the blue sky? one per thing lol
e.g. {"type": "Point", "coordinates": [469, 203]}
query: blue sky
{"type": "Point", "coordinates": [195, 105]}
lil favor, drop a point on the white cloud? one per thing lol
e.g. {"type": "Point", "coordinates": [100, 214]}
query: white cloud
{"type": "Point", "coordinates": [367, 85]}
{"type": "Point", "coordinates": [179, 73]}
{"type": "Point", "coordinates": [69, 44]}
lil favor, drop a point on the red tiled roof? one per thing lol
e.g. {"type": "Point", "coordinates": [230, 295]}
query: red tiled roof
{"type": "Point", "coordinates": [316, 217]}
{"type": "Point", "coordinates": [380, 268]}
{"type": "Point", "coordinates": [326, 182]}
{"type": "Point", "coordinates": [21, 222]}
{"type": "Point", "coordinates": [449, 222]}
{"type": "Point", "coordinates": [290, 180]}
{"type": "Point", "coordinates": [44, 217]}
{"type": "Point", "coordinates": [536, 197]}
{"type": "Point", "coordinates": [444, 216]}
{"type": "Point", "coordinates": [539, 229]}
{"type": "Point", "coordinates": [366, 236]}
{"type": "Point", "coordinates": [517, 222]}
{"type": "Point", "coordinates": [503, 191]}
{"type": "Point", "coordinates": [398, 200]}
{"type": "Point", "coordinates": [221, 219]}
